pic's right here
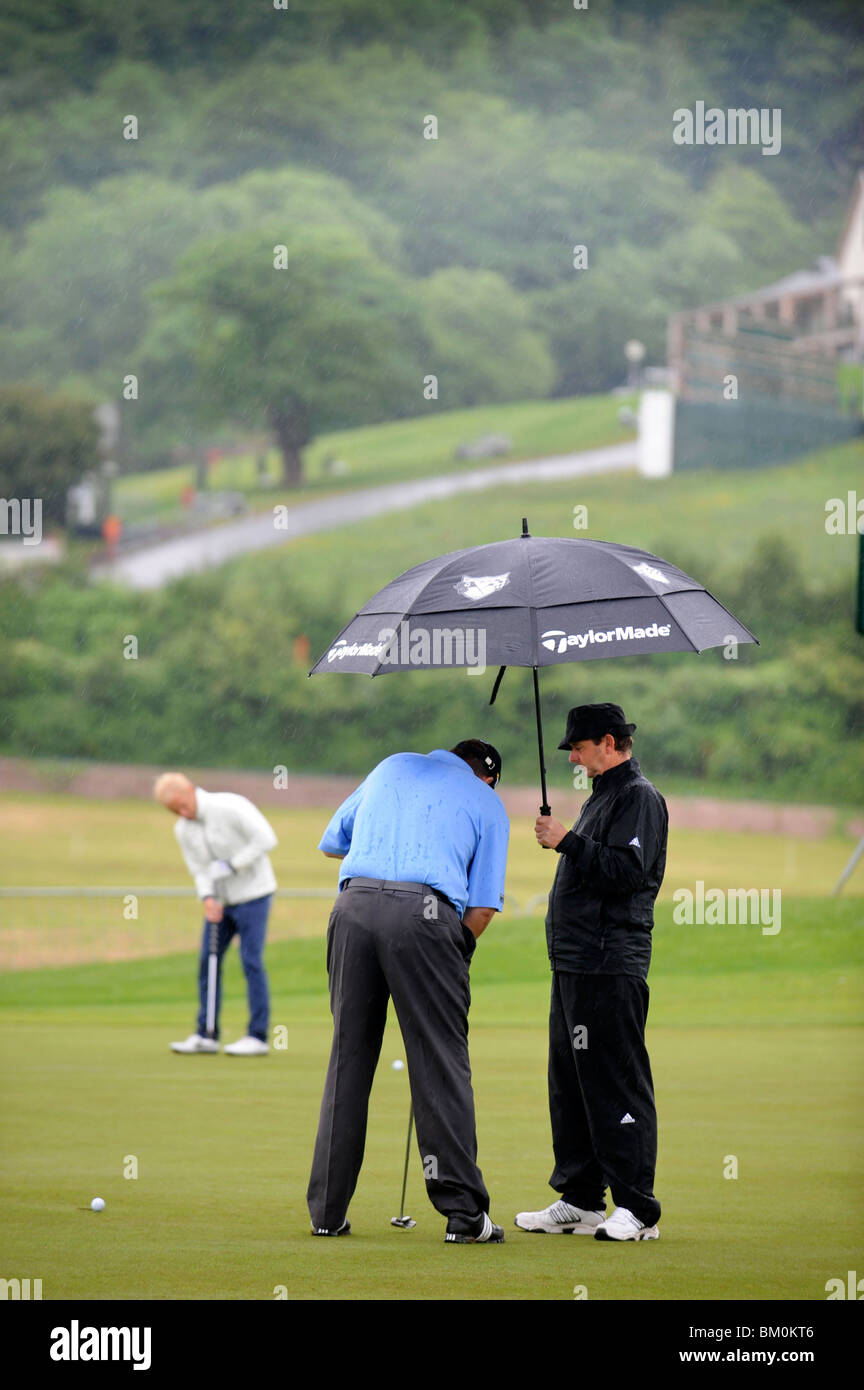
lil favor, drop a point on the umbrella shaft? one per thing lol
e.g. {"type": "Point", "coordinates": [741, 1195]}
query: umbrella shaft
{"type": "Point", "coordinates": [545, 809]}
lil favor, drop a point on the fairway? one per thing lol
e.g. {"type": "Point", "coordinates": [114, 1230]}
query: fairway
{"type": "Point", "coordinates": [756, 1050]}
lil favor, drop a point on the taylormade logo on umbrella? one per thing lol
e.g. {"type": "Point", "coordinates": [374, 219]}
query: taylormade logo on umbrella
{"type": "Point", "coordinates": [410, 645]}
{"type": "Point", "coordinates": [343, 648]}
{"type": "Point", "coordinates": [556, 640]}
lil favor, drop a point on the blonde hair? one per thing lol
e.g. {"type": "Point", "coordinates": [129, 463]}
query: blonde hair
{"type": "Point", "coordinates": [168, 784]}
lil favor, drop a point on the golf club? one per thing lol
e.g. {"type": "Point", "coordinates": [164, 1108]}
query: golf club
{"type": "Point", "coordinates": [212, 968]}
{"type": "Point", "coordinates": [405, 1222]}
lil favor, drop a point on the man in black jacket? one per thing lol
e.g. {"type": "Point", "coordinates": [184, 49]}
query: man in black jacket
{"type": "Point", "coordinates": [598, 930]}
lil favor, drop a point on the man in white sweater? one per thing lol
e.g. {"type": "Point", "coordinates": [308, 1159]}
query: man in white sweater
{"type": "Point", "coordinates": [225, 840]}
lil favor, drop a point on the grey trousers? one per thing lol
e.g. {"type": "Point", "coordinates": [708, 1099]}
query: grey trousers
{"type": "Point", "coordinates": [383, 943]}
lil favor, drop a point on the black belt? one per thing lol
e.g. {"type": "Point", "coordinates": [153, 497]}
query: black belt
{"type": "Point", "coordinates": [397, 886]}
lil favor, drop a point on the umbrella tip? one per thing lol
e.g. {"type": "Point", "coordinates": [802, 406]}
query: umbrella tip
{"type": "Point", "coordinates": [525, 531]}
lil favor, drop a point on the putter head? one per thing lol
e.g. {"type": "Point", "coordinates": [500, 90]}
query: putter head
{"type": "Point", "coordinates": [403, 1222]}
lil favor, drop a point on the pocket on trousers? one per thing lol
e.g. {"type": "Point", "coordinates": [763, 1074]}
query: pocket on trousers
{"type": "Point", "coordinates": [330, 928]}
{"type": "Point", "coordinates": [469, 941]}
{"type": "Point", "coordinates": [465, 939]}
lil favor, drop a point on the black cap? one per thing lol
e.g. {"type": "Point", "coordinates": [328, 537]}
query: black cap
{"type": "Point", "coordinates": [593, 721]}
{"type": "Point", "coordinates": [492, 760]}
{"type": "Point", "coordinates": [482, 753]}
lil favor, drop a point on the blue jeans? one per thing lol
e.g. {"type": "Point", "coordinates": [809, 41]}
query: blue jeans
{"type": "Point", "coordinates": [249, 920]}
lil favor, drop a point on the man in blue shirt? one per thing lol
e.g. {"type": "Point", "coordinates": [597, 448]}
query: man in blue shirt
{"type": "Point", "coordinates": [423, 843]}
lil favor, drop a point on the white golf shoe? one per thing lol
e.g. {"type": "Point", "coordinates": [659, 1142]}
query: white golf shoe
{"type": "Point", "coordinates": [560, 1217]}
{"type": "Point", "coordinates": [248, 1047]}
{"type": "Point", "coordinates": [623, 1225]}
{"type": "Point", "coordinates": [195, 1043]}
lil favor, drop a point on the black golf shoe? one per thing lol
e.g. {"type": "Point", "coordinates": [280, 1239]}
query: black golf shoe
{"type": "Point", "coordinates": [343, 1230]}
{"type": "Point", "coordinates": [487, 1233]}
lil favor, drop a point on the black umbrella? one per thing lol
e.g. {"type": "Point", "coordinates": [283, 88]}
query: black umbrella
{"type": "Point", "coordinates": [531, 602]}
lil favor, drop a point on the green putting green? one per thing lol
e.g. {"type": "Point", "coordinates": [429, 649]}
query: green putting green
{"type": "Point", "coordinates": [756, 1049]}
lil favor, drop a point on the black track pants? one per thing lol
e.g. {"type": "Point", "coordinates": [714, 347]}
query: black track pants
{"type": "Point", "coordinates": [601, 1095]}
{"type": "Point", "coordinates": [380, 945]}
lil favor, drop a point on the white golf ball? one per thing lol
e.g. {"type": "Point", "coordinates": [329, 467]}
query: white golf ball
{"type": "Point", "coordinates": [98, 1204]}
{"type": "Point", "coordinates": [397, 1065]}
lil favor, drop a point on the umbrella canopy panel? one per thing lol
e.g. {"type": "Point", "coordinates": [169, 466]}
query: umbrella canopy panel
{"type": "Point", "coordinates": [531, 571]}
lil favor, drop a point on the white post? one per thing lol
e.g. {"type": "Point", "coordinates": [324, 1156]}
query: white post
{"type": "Point", "coordinates": [656, 433]}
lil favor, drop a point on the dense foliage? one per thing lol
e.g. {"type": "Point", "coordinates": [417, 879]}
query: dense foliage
{"type": "Point", "coordinates": [214, 682]}
{"type": "Point", "coordinates": [46, 443]}
{"type": "Point", "coordinates": [303, 123]}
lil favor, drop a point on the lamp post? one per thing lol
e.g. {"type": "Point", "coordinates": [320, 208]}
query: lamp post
{"type": "Point", "coordinates": [634, 351]}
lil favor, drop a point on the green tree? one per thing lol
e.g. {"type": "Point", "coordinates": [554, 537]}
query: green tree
{"type": "Point", "coordinates": [74, 296]}
{"type": "Point", "coordinates": [484, 347]}
{"type": "Point", "coordinates": [745, 207]}
{"type": "Point", "coordinates": [77, 285]}
{"type": "Point", "coordinates": [590, 322]}
{"type": "Point", "coordinates": [46, 443]}
{"type": "Point", "coordinates": [333, 337]}
{"type": "Point", "coordinates": [504, 189]}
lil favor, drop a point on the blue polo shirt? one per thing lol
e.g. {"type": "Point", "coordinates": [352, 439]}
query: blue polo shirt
{"type": "Point", "coordinates": [425, 818]}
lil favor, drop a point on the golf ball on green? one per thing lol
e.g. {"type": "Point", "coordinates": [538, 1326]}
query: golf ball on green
{"type": "Point", "coordinates": [98, 1204]}
{"type": "Point", "coordinates": [397, 1065]}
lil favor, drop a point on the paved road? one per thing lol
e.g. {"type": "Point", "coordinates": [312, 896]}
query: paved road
{"type": "Point", "coordinates": [158, 564]}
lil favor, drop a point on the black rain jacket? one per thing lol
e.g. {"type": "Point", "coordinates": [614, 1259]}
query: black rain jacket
{"type": "Point", "coordinates": [611, 866]}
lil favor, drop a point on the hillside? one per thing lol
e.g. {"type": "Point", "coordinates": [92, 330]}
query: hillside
{"type": "Point", "coordinates": [216, 681]}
